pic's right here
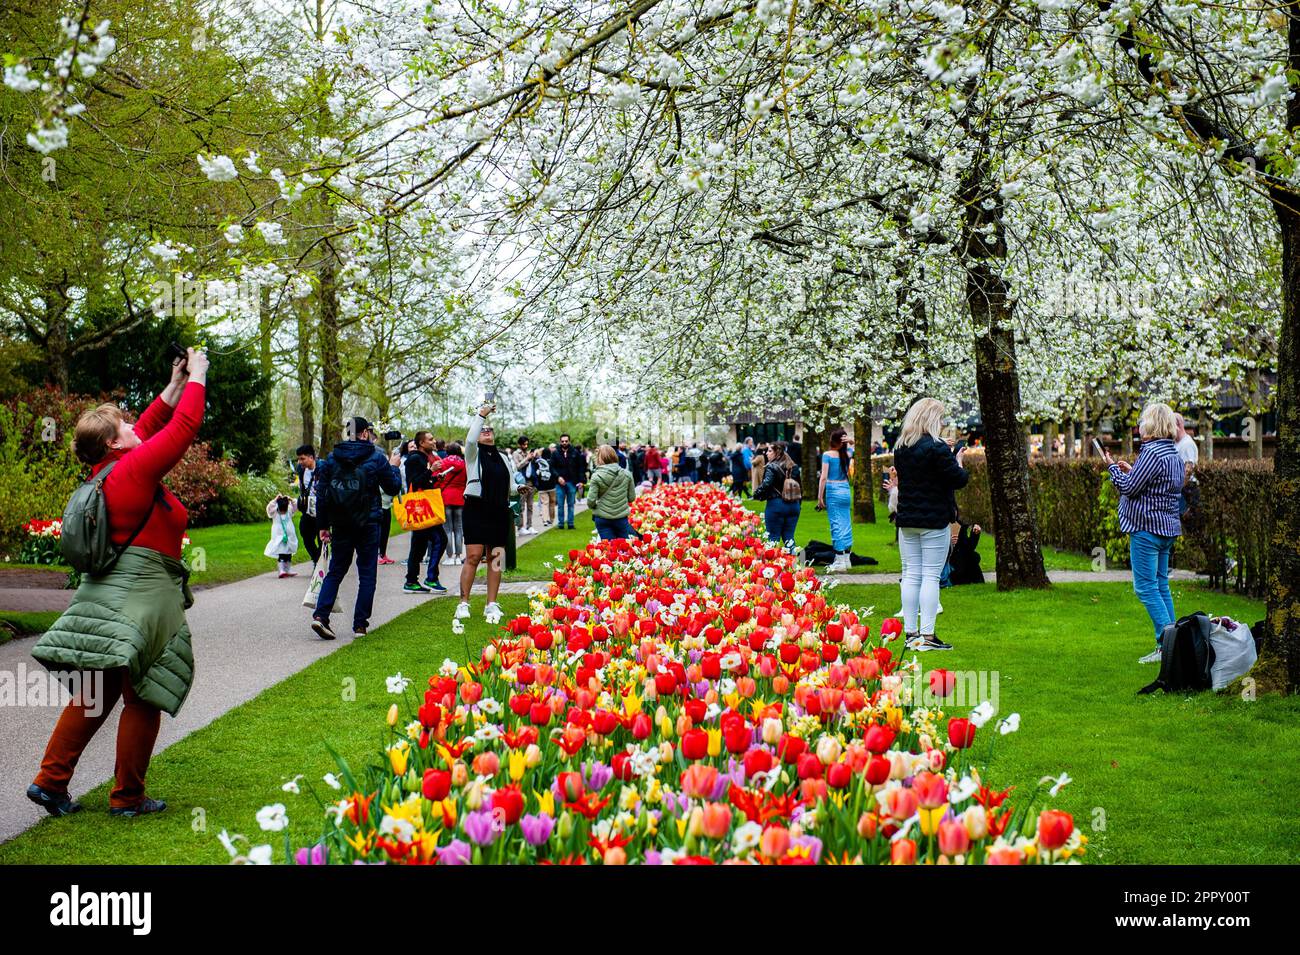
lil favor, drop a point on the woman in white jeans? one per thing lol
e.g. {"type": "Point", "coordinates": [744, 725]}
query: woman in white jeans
{"type": "Point", "coordinates": [928, 476]}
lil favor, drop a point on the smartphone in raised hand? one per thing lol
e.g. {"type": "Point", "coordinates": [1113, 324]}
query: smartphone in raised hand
{"type": "Point", "coordinates": [1101, 452]}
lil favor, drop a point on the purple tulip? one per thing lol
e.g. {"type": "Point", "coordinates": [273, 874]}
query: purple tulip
{"type": "Point", "coordinates": [597, 775]}
{"type": "Point", "coordinates": [480, 827]}
{"type": "Point", "coordinates": [537, 829]}
{"type": "Point", "coordinates": [812, 844]}
{"type": "Point", "coordinates": [315, 855]}
{"type": "Point", "coordinates": [456, 852]}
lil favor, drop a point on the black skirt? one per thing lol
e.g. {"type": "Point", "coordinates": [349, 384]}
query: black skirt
{"type": "Point", "coordinates": [487, 526]}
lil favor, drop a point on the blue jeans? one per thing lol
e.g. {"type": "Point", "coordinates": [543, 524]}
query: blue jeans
{"type": "Point", "coordinates": [839, 510]}
{"type": "Point", "coordinates": [1149, 556]}
{"type": "Point", "coordinates": [343, 544]}
{"type": "Point", "coordinates": [613, 528]}
{"type": "Point", "coordinates": [781, 517]}
{"type": "Point", "coordinates": [567, 493]}
{"type": "Point", "coordinates": [434, 541]}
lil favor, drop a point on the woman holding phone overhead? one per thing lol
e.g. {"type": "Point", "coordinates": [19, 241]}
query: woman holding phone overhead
{"type": "Point", "coordinates": [1151, 489]}
{"type": "Point", "coordinates": [487, 519]}
{"type": "Point", "coordinates": [125, 630]}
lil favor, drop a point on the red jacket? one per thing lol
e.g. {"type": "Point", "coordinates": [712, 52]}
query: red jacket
{"type": "Point", "coordinates": [451, 479]}
{"type": "Point", "coordinates": [653, 462]}
{"type": "Point", "coordinates": [129, 491]}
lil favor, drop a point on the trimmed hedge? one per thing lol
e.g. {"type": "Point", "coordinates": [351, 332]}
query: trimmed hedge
{"type": "Point", "coordinates": [1076, 507]}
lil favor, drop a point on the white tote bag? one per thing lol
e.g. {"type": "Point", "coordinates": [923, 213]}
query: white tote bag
{"type": "Point", "coordinates": [317, 575]}
{"type": "Point", "coordinates": [1234, 651]}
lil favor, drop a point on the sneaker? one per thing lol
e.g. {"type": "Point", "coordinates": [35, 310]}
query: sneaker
{"type": "Point", "coordinates": [416, 588]}
{"type": "Point", "coordinates": [1152, 657]}
{"type": "Point", "coordinates": [144, 808]}
{"type": "Point", "coordinates": [56, 804]}
{"type": "Point", "coordinates": [322, 628]}
{"type": "Point", "coordinates": [932, 643]}
{"type": "Point", "coordinates": [912, 641]}
{"type": "Point", "coordinates": [387, 560]}
{"type": "Point", "coordinates": [462, 610]}
{"type": "Point", "coordinates": [436, 587]}
{"type": "Point", "coordinates": [492, 613]}
{"type": "Point", "coordinates": [938, 609]}
{"type": "Point", "coordinates": [285, 573]}
{"type": "Point", "coordinates": [358, 631]}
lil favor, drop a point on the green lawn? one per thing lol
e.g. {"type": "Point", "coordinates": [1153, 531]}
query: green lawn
{"type": "Point", "coordinates": [218, 777]}
{"type": "Point", "coordinates": [1157, 779]}
{"type": "Point", "coordinates": [15, 623]}
{"type": "Point", "coordinates": [878, 540]}
{"type": "Point", "coordinates": [1206, 778]}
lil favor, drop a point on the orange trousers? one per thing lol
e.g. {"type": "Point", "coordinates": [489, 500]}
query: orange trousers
{"type": "Point", "coordinates": [137, 731]}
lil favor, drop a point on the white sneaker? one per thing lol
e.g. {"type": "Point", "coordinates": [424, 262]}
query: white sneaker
{"type": "Point", "coordinates": [939, 609]}
{"type": "Point", "coordinates": [1152, 657]}
{"type": "Point", "coordinates": [492, 613]}
{"type": "Point", "coordinates": [462, 610]}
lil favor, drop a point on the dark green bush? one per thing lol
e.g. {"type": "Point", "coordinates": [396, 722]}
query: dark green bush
{"type": "Point", "coordinates": [1076, 507]}
{"type": "Point", "coordinates": [243, 502]}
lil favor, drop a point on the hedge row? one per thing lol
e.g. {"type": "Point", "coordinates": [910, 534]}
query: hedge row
{"type": "Point", "coordinates": [1076, 507]}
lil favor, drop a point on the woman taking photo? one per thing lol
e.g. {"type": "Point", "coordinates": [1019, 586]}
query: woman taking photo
{"type": "Point", "coordinates": [781, 489]}
{"type": "Point", "coordinates": [487, 519]}
{"type": "Point", "coordinates": [1151, 489]}
{"type": "Point", "coordinates": [928, 477]}
{"type": "Point", "coordinates": [610, 495]}
{"type": "Point", "coordinates": [125, 629]}
{"type": "Point", "coordinates": [834, 496]}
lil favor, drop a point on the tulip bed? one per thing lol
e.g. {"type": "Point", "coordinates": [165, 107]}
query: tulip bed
{"type": "Point", "coordinates": [691, 697]}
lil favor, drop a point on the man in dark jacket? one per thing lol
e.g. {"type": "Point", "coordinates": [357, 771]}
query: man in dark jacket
{"type": "Point", "coordinates": [420, 477]}
{"type": "Point", "coordinates": [569, 467]}
{"type": "Point", "coordinates": [348, 483]}
{"type": "Point", "coordinates": [308, 527]}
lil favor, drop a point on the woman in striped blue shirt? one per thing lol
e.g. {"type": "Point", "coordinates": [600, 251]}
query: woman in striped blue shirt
{"type": "Point", "coordinates": [1150, 490]}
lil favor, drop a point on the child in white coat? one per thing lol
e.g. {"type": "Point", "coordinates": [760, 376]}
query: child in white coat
{"type": "Point", "coordinates": [284, 540]}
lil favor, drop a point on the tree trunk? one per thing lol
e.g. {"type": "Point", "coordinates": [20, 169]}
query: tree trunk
{"type": "Point", "coordinates": [1069, 439]}
{"type": "Point", "coordinates": [331, 374]}
{"type": "Point", "coordinates": [810, 466]}
{"type": "Point", "coordinates": [1019, 556]}
{"type": "Point", "coordinates": [1283, 636]}
{"type": "Point", "coordinates": [58, 348]}
{"type": "Point", "coordinates": [306, 386]}
{"type": "Point", "coordinates": [864, 480]}
{"type": "Point", "coordinates": [1206, 426]}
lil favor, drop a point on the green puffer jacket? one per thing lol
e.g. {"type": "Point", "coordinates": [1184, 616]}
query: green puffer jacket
{"type": "Point", "coordinates": [133, 617]}
{"type": "Point", "coordinates": [610, 491]}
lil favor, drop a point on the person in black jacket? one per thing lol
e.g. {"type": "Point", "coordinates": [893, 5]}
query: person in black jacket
{"type": "Point", "coordinates": [570, 468]}
{"type": "Point", "coordinates": [781, 513]}
{"type": "Point", "coordinates": [421, 477]}
{"type": "Point", "coordinates": [347, 485]}
{"type": "Point", "coordinates": [928, 476]}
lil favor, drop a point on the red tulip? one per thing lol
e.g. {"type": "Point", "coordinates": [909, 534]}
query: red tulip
{"type": "Point", "coordinates": [878, 769]}
{"type": "Point", "coordinates": [942, 683]}
{"type": "Point", "coordinates": [757, 761]}
{"type": "Point", "coordinates": [902, 852]}
{"type": "Point", "coordinates": [839, 775]}
{"type": "Point", "coordinates": [539, 714]}
{"type": "Point", "coordinates": [641, 726]}
{"type": "Point", "coordinates": [953, 838]}
{"type": "Point", "coordinates": [1054, 829]}
{"type": "Point", "coordinates": [437, 784]}
{"type": "Point", "coordinates": [570, 785]}
{"type": "Point", "coordinates": [961, 733]}
{"type": "Point", "coordinates": [878, 738]}
{"type": "Point", "coordinates": [695, 744]}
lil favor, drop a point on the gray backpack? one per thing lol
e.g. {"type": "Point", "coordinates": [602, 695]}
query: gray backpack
{"type": "Point", "coordinates": [84, 538]}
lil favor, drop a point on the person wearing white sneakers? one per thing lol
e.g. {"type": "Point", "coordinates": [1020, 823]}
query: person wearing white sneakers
{"type": "Point", "coordinates": [929, 474]}
{"type": "Point", "coordinates": [489, 483]}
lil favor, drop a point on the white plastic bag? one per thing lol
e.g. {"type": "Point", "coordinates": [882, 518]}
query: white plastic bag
{"type": "Point", "coordinates": [1234, 651]}
{"type": "Point", "coordinates": [317, 575]}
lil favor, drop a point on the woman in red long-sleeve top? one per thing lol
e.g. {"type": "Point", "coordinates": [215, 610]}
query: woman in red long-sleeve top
{"type": "Point", "coordinates": [125, 633]}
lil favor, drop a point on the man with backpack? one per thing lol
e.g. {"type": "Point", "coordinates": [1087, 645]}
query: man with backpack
{"type": "Point", "coordinates": [348, 484]}
{"type": "Point", "coordinates": [543, 477]}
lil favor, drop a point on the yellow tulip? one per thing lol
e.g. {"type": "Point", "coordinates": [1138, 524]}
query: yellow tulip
{"type": "Point", "coordinates": [545, 802]}
{"type": "Point", "coordinates": [518, 763]}
{"type": "Point", "coordinates": [631, 704]}
{"type": "Point", "coordinates": [715, 741]}
{"type": "Point", "coordinates": [397, 757]}
{"type": "Point", "coordinates": [930, 819]}
{"type": "Point", "coordinates": [392, 715]}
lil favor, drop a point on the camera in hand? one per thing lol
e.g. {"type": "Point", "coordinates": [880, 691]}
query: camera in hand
{"type": "Point", "coordinates": [392, 436]}
{"type": "Point", "coordinates": [176, 353]}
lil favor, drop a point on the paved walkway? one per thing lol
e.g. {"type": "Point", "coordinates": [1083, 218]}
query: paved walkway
{"type": "Point", "coordinates": [259, 619]}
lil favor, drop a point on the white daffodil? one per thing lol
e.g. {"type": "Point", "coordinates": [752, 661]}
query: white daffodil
{"type": "Point", "coordinates": [963, 790]}
{"type": "Point", "coordinates": [292, 785]}
{"type": "Point", "coordinates": [259, 855]}
{"type": "Point", "coordinates": [457, 627]}
{"type": "Point", "coordinates": [746, 837]}
{"type": "Point", "coordinates": [229, 843]}
{"type": "Point", "coordinates": [982, 713]}
{"type": "Point", "coordinates": [1058, 784]}
{"type": "Point", "coordinates": [273, 818]}
{"type": "Point", "coordinates": [1010, 724]}
{"type": "Point", "coordinates": [397, 683]}
{"type": "Point", "coordinates": [332, 781]}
